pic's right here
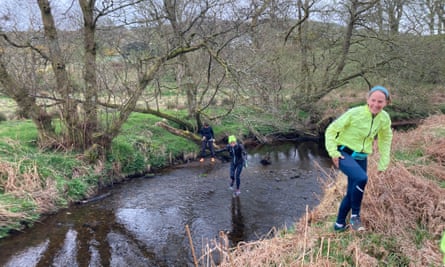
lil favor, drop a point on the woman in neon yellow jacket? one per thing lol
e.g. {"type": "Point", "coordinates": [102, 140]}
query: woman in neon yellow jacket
{"type": "Point", "coordinates": [349, 139]}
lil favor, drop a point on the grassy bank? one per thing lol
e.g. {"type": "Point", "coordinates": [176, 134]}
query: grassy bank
{"type": "Point", "coordinates": [403, 211]}
{"type": "Point", "coordinates": [34, 181]}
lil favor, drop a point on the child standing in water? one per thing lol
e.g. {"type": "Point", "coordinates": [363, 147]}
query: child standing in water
{"type": "Point", "coordinates": [207, 141]}
{"type": "Point", "coordinates": [238, 161]}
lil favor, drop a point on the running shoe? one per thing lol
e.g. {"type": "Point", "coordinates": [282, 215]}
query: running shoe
{"type": "Point", "coordinates": [340, 227]}
{"type": "Point", "coordinates": [231, 186]}
{"type": "Point", "coordinates": [356, 224]}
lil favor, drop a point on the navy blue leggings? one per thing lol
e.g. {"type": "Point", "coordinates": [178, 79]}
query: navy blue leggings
{"type": "Point", "coordinates": [235, 173]}
{"type": "Point", "coordinates": [357, 179]}
{"type": "Point", "coordinates": [204, 145]}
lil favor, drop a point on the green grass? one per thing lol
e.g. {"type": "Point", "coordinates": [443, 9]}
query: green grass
{"type": "Point", "coordinates": [339, 245]}
{"type": "Point", "coordinates": [410, 157]}
{"type": "Point", "coordinates": [23, 207]}
{"type": "Point", "coordinates": [147, 143]}
{"type": "Point", "coordinates": [23, 131]}
{"type": "Point", "coordinates": [7, 106]}
{"type": "Point", "coordinates": [439, 132]}
{"type": "Point", "coordinates": [375, 245]}
{"type": "Point", "coordinates": [420, 234]}
{"type": "Point", "coordinates": [140, 144]}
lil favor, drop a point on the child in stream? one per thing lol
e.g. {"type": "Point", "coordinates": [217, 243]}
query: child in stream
{"type": "Point", "coordinates": [238, 160]}
{"type": "Point", "coordinates": [207, 141]}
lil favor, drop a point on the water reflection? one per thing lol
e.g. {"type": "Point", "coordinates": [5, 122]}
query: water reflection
{"type": "Point", "coordinates": [28, 257]}
{"type": "Point", "coordinates": [302, 155]}
{"type": "Point", "coordinates": [66, 256]}
{"type": "Point", "coordinates": [236, 235]}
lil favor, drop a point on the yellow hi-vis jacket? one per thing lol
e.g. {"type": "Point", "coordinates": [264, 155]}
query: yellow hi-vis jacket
{"type": "Point", "coordinates": [357, 129]}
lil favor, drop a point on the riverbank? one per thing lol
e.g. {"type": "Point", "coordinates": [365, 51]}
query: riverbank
{"type": "Point", "coordinates": [36, 181]}
{"type": "Point", "coordinates": [49, 181]}
{"type": "Point", "coordinates": [403, 211]}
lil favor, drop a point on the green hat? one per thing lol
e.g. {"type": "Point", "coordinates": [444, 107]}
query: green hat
{"type": "Point", "coordinates": [232, 138]}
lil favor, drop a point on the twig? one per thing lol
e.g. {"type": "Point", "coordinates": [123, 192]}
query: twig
{"type": "Point", "coordinates": [305, 235]}
{"type": "Point", "coordinates": [191, 244]}
{"type": "Point", "coordinates": [329, 248]}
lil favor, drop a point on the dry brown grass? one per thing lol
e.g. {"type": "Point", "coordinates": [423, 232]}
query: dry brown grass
{"type": "Point", "coordinates": [6, 216]}
{"type": "Point", "coordinates": [27, 186]}
{"type": "Point", "coordinates": [397, 204]}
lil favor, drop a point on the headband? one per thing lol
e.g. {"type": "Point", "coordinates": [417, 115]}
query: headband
{"type": "Point", "coordinates": [381, 89]}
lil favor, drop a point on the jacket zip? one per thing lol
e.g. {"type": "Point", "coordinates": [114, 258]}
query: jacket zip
{"type": "Point", "coordinates": [369, 133]}
{"type": "Point", "coordinates": [234, 154]}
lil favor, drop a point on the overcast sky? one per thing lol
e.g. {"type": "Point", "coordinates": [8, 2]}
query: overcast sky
{"type": "Point", "coordinates": [25, 14]}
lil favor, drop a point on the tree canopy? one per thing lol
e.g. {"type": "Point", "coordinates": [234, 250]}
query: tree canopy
{"type": "Point", "coordinates": [86, 65]}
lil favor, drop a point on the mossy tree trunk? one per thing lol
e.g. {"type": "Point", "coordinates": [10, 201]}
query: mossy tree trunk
{"type": "Point", "coordinates": [39, 116]}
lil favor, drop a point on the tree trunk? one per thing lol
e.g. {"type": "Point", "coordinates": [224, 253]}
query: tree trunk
{"type": "Point", "coordinates": [184, 134]}
{"type": "Point", "coordinates": [69, 105]}
{"type": "Point", "coordinates": [90, 122]}
{"type": "Point", "coordinates": [24, 100]}
{"type": "Point", "coordinates": [182, 124]}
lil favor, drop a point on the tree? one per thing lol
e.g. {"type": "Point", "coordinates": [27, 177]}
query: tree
{"type": "Point", "coordinates": [390, 13]}
{"type": "Point", "coordinates": [203, 77]}
{"type": "Point", "coordinates": [330, 55]}
{"type": "Point", "coordinates": [79, 90]}
{"type": "Point", "coordinates": [90, 64]}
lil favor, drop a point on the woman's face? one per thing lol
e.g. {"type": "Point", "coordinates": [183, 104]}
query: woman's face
{"type": "Point", "coordinates": [376, 102]}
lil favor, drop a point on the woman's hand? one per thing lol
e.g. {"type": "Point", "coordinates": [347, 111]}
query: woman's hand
{"type": "Point", "coordinates": [336, 160]}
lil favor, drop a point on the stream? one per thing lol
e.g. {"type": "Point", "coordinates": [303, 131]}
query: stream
{"type": "Point", "coordinates": [143, 221]}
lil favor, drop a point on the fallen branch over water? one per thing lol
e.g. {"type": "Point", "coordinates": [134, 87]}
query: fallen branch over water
{"type": "Point", "coordinates": [97, 198]}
